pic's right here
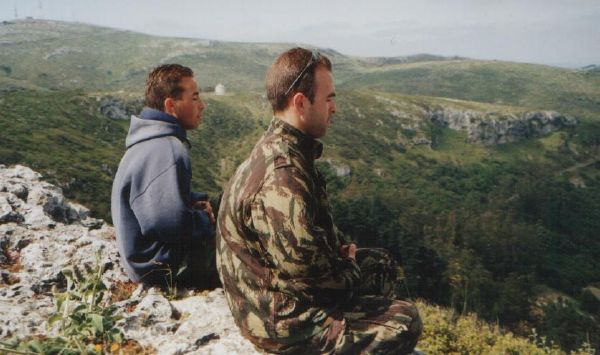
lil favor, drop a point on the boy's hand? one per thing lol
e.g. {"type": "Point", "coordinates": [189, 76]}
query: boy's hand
{"type": "Point", "coordinates": [206, 207]}
{"type": "Point", "coordinates": [348, 251]}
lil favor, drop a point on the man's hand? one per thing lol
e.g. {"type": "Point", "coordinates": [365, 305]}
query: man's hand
{"type": "Point", "coordinates": [348, 251]}
{"type": "Point", "coordinates": [206, 207]}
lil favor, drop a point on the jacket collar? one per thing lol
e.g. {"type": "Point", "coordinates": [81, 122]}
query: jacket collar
{"type": "Point", "coordinates": [154, 124]}
{"type": "Point", "coordinates": [306, 144]}
{"type": "Point", "coordinates": [149, 113]}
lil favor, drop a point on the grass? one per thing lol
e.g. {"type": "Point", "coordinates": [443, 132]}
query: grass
{"type": "Point", "coordinates": [454, 147]}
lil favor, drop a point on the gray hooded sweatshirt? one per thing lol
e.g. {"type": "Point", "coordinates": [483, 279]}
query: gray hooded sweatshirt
{"type": "Point", "coordinates": [151, 200]}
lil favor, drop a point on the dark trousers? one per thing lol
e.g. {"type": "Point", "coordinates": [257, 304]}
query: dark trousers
{"type": "Point", "coordinates": [199, 269]}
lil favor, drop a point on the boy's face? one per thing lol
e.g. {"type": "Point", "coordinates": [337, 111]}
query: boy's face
{"type": "Point", "coordinates": [188, 108]}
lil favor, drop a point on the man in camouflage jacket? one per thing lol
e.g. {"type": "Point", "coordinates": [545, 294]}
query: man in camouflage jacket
{"type": "Point", "coordinates": [293, 282]}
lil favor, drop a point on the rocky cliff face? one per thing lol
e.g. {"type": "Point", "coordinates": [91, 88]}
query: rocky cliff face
{"type": "Point", "coordinates": [484, 125]}
{"type": "Point", "coordinates": [492, 128]}
{"type": "Point", "coordinates": [41, 233]}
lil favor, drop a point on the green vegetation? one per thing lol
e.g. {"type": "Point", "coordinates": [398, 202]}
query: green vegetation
{"type": "Point", "coordinates": [448, 333]}
{"type": "Point", "coordinates": [63, 135]}
{"type": "Point", "coordinates": [536, 86]}
{"type": "Point", "coordinates": [509, 232]}
{"type": "Point", "coordinates": [86, 320]}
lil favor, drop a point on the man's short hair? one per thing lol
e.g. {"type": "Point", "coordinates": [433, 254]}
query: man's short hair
{"type": "Point", "coordinates": [163, 82]}
{"type": "Point", "coordinates": [285, 69]}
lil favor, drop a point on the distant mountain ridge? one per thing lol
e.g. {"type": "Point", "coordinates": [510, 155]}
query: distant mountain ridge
{"type": "Point", "coordinates": [76, 41]}
{"type": "Point", "coordinates": [62, 55]}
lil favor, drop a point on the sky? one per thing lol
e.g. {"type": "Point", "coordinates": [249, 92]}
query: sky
{"type": "Point", "coordinates": [561, 33]}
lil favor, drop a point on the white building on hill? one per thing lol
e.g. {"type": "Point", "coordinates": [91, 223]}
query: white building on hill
{"type": "Point", "coordinates": [220, 89]}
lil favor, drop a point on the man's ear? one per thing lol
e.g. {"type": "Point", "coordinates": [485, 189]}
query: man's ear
{"type": "Point", "coordinates": [169, 104]}
{"type": "Point", "coordinates": [298, 103]}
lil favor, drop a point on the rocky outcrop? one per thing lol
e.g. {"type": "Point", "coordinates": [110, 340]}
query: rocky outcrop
{"type": "Point", "coordinates": [483, 127]}
{"type": "Point", "coordinates": [591, 68]}
{"type": "Point", "coordinates": [117, 109]}
{"type": "Point", "coordinates": [492, 128]}
{"type": "Point", "coordinates": [41, 234]}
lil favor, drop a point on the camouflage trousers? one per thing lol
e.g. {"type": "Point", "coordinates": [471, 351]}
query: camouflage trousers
{"type": "Point", "coordinates": [374, 322]}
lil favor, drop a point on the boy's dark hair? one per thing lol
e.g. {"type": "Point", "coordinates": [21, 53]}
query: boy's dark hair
{"type": "Point", "coordinates": [163, 82]}
{"type": "Point", "coordinates": [285, 69]}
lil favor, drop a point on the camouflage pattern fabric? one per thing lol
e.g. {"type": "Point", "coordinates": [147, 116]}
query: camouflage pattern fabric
{"type": "Point", "coordinates": [379, 325]}
{"type": "Point", "coordinates": [373, 322]}
{"type": "Point", "coordinates": [278, 258]}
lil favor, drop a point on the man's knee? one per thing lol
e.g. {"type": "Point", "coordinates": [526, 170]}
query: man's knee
{"type": "Point", "coordinates": [416, 325]}
{"type": "Point", "coordinates": [408, 326]}
{"type": "Point", "coordinates": [395, 330]}
{"type": "Point", "coordinates": [409, 310]}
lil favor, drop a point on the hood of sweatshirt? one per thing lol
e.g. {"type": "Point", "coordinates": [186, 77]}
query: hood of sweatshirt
{"type": "Point", "coordinates": [152, 124]}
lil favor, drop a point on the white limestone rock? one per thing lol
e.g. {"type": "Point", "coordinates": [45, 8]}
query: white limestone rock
{"type": "Point", "coordinates": [7, 212]}
{"type": "Point", "coordinates": [53, 234]}
{"type": "Point", "coordinates": [190, 325]}
{"type": "Point", "coordinates": [491, 128]}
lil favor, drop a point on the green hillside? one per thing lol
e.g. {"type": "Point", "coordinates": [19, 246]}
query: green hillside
{"type": "Point", "coordinates": [509, 231]}
{"type": "Point", "coordinates": [575, 92]}
{"type": "Point", "coordinates": [59, 55]}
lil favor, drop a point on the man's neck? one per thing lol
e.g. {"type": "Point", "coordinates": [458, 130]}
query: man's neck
{"type": "Point", "coordinates": [291, 118]}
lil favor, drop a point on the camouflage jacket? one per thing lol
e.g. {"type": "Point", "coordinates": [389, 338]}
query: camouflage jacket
{"type": "Point", "coordinates": [277, 247]}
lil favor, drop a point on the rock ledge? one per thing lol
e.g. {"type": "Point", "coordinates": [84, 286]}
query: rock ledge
{"type": "Point", "coordinates": [41, 233]}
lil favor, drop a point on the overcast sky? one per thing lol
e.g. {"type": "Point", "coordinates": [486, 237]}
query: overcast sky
{"type": "Point", "coordinates": [562, 33]}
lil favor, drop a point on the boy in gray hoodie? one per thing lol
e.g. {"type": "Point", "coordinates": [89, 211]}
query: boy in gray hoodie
{"type": "Point", "coordinates": [162, 227]}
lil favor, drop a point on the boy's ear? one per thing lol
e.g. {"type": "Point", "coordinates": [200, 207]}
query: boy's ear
{"type": "Point", "coordinates": [169, 104]}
